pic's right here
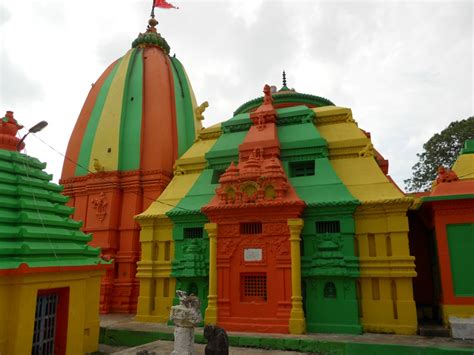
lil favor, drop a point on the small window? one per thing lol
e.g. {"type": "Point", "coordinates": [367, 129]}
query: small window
{"type": "Point", "coordinates": [216, 175]}
{"type": "Point", "coordinates": [192, 233]}
{"type": "Point", "coordinates": [302, 168]}
{"type": "Point", "coordinates": [328, 227]}
{"type": "Point", "coordinates": [330, 290]}
{"type": "Point", "coordinates": [251, 228]}
{"type": "Point", "coordinates": [254, 287]}
{"type": "Point", "coordinates": [193, 289]}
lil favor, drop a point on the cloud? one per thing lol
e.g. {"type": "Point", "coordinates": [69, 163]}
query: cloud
{"type": "Point", "coordinates": [404, 68]}
{"type": "Point", "coordinates": [15, 86]}
{"type": "Point", "coordinates": [4, 15]}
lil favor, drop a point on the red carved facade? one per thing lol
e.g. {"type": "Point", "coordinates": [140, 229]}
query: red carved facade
{"type": "Point", "coordinates": [251, 208]}
{"type": "Point", "coordinates": [107, 203]}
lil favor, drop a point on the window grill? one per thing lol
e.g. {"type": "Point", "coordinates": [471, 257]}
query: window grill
{"type": "Point", "coordinates": [324, 227]}
{"type": "Point", "coordinates": [254, 287]}
{"type": "Point", "coordinates": [251, 228]}
{"type": "Point", "coordinates": [45, 324]}
{"type": "Point", "coordinates": [191, 233]}
{"type": "Point", "coordinates": [302, 168]}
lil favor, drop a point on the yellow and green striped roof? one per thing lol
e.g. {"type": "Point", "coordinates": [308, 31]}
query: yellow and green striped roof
{"type": "Point", "coordinates": [139, 115]}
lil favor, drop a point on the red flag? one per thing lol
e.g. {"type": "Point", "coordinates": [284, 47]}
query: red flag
{"type": "Point", "coordinates": [163, 4]}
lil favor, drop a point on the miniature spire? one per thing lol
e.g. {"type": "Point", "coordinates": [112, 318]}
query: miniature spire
{"type": "Point", "coordinates": [8, 130]}
{"type": "Point", "coordinates": [284, 87]}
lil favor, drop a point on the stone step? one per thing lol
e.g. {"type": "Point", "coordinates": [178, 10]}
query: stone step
{"type": "Point", "coordinates": [434, 330]}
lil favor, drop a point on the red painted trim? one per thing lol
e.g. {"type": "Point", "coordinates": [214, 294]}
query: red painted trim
{"type": "Point", "coordinates": [450, 212]}
{"type": "Point", "coordinates": [24, 269]}
{"type": "Point", "coordinates": [62, 317]}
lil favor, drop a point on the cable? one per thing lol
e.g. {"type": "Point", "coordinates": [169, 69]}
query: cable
{"type": "Point", "coordinates": [115, 184]}
{"type": "Point", "coordinates": [27, 166]}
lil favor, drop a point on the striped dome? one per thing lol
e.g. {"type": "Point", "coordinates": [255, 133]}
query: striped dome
{"type": "Point", "coordinates": [139, 115]}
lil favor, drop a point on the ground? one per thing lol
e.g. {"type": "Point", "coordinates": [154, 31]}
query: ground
{"type": "Point", "coordinates": [120, 334]}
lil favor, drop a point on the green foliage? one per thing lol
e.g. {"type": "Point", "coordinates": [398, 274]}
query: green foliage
{"type": "Point", "coordinates": [441, 149]}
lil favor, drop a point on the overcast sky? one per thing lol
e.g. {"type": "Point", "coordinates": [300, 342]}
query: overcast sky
{"type": "Point", "coordinates": [405, 68]}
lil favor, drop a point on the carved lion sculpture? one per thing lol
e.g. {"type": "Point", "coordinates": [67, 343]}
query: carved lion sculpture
{"type": "Point", "coordinates": [446, 175]}
{"type": "Point", "coordinates": [190, 301]}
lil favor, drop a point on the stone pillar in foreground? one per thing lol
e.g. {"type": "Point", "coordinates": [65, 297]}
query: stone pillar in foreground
{"type": "Point", "coordinates": [185, 316]}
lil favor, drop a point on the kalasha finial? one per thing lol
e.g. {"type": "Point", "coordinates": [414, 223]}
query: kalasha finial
{"type": "Point", "coordinates": [284, 78]}
{"type": "Point", "coordinates": [152, 22]}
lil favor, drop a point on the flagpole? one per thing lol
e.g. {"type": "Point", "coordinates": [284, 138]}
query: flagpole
{"type": "Point", "coordinates": [152, 14]}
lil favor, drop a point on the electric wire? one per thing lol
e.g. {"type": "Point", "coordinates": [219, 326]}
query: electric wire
{"type": "Point", "coordinates": [114, 184]}
{"type": "Point", "coordinates": [27, 166]}
{"type": "Point", "coordinates": [143, 196]}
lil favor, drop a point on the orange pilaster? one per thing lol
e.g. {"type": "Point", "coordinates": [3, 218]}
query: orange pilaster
{"type": "Point", "coordinates": [107, 203]}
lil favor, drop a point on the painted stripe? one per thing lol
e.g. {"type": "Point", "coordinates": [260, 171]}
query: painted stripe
{"type": "Point", "coordinates": [74, 145]}
{"type": "Point", "coordinates": [129, 154]}
{"type": "Point", "coordinates": [158, 144]}
{"type": "Point", "coordinates": [106, 142]}
{"type": "Point", "coordinates": [90, 131]}
{"type": "Point", "coordinates": [197, 124]}
{"type": "Point", "coordinates": [184, 108]}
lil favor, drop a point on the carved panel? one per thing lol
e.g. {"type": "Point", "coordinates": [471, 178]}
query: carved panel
{"type": "Point", "coordinates": [275, 228]}
{"type": "Point", "coordinates": [100, 204]}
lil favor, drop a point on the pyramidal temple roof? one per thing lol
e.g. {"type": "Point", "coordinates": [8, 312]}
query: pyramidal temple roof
{"type": "Point", "coordinates": [35, 228]}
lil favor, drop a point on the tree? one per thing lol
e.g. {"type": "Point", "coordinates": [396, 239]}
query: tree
{"type": "Point", "coordinates": [441, 149]}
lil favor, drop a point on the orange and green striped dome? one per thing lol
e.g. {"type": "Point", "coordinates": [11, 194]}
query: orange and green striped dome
{"type": "Point", "coordinates": [139, 115]}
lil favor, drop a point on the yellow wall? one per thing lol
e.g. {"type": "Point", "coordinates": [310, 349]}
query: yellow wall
{"type": "Point", "coordinates": [386, 267]}
{"type": "Point", "coordinates": [155, 300]}
{"type": "Point", "coordinates": [464, 166]}
{"type": "Point", "coordinates": [18, 296]}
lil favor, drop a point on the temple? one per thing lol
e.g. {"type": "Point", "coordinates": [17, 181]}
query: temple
{"type": "Point", "coordinates": [49, 276]}
{"type": "Point", "coordinates": [283, 218]}
{"type": "Point", "coordinates": [138, 118]}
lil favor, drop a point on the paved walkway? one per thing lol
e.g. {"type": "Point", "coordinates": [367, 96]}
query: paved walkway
{"type": "Point", "coordinates": [121, 321]}
{"type": "Point", "coordinates": [162, 347]}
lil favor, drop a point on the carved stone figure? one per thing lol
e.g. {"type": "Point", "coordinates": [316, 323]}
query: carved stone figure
{"type": "Point", "coordinates": [100, 205]}
{"type": "Point", "coordinates": [185, 316]}
{"type": "Point", "coordinates": [200, 110]}
{"type": "Point", "coordinates": [98, 167]}
{"type": "Point", "coordinates": [446, 175]}
{"type": "Point", "coordinates": [217, 340]}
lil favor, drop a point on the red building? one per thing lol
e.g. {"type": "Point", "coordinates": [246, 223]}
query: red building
{"type": "Point", "coordinates": [446, 222]}
{"type": "Point", "coordinates": [252, 206]}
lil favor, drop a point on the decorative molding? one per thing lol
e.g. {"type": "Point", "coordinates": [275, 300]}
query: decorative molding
{"type": "Point", "coordinates": [333, 119]}
{"type": "Point", "coordinates": [367, 151]}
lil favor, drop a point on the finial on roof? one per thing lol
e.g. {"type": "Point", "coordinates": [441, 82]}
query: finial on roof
{"type": "Point", "coordinates": [284, 87]}
{"type": "Point", "coordinates": [151, 37]}
{"type": "Point", "coordinates": [8, 130]}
